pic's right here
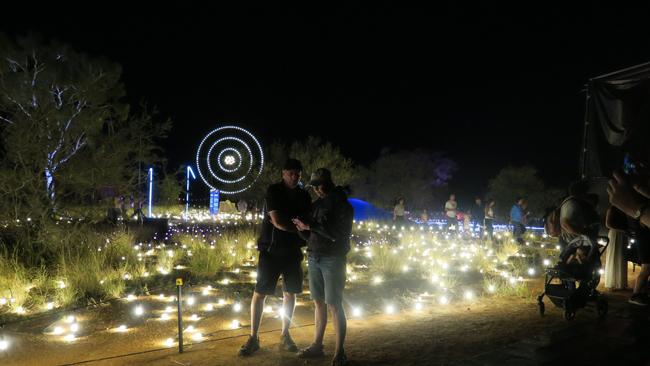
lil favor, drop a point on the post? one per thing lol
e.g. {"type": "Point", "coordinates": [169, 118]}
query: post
{"type": "Point", "coordinates": [150, 189]}
{"type": "Point", "coordinates": [179, 300]}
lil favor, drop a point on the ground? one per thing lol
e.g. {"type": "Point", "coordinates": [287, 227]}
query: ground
{"type": "Point", "coordinates": [504, 330]}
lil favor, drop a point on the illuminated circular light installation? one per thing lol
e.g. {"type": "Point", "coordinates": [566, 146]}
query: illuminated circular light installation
{"type": "Point", "coordinates": [229, 159]}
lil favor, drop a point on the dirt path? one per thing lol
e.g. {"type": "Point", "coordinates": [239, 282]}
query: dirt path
{"type": "Point", "coordinates": [437, 335]}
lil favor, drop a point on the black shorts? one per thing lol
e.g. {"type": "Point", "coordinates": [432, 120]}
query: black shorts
{"type": "Point", "coordinates": [269, 269]}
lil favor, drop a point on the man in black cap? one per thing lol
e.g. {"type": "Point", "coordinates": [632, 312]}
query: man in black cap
{"type": "Point", "coordinates": [280, 254]}
{"type": "Point", "coordinates": [328, 242]}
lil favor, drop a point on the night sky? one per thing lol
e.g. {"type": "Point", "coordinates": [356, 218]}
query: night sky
{"type": "Point", "coordinates": [490, 86]}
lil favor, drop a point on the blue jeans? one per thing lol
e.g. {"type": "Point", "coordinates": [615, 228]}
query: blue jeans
{"type": "Point", "coordinates": [327, 278]}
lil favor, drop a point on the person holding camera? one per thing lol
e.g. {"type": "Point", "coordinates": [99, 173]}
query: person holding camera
{"type": "Point", "coordinates": [630, 194]}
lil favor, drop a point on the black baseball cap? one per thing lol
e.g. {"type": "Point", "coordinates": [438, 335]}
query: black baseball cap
{"type": "Point", "coordinates": [292, 164]}
{"type": "Point", "coordinates": [320, 176]}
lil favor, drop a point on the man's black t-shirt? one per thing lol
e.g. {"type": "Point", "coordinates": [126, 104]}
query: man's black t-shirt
{"type": "Point", "coordinates": [290, 203]}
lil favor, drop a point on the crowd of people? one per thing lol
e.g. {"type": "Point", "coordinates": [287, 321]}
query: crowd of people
{"type": "Point", "coordinates": [477, 217]}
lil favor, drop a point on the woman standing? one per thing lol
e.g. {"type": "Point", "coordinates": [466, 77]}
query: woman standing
{"type": "Point", "coordinates": [489, 218]}
{"type": "Point", "coordinates": [399, 211]}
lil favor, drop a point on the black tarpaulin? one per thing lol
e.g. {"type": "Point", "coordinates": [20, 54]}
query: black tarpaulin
{"type": "Point", "coordinates": [617, 119]}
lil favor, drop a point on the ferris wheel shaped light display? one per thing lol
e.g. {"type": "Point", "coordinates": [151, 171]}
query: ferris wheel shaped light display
{"type": "Point", "coordinates": [229, 159]}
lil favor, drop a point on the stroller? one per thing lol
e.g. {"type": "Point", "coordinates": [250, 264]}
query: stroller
{"type": "Point", "coordinates": [561, 281]}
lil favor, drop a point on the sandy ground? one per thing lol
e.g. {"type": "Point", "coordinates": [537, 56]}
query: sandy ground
{"type": "Point", "coordinates": [438, 335]}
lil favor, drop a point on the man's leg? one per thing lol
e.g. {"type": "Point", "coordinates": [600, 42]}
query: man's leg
{"type": "Point", "coordinates": [340, 327]}
{"type": "Point", "coordinates": [288, 305]}
{"type": "Point", "coordinates": [257, 308]}
{"type": "Point", "coordinates": [320, 318]}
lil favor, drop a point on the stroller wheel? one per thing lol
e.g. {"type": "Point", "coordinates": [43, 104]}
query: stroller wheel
{"type": "Point", "coordinates": [541, 307]}
{"type": "Point", "coordinates": [602, 307]}
{"type": "Point", "coordinates": [569, 315]}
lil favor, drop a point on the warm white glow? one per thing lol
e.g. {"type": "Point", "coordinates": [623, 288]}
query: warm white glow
{"type": "Point", "coordinates": [139, 310]}
{"type": "Point", "coordinates": [356, 311]}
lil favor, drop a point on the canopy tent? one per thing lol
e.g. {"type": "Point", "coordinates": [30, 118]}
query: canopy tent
{"type": "Point", "coordinates": [617, 120]}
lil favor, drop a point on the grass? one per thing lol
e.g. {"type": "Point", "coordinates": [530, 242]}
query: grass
{"type": "Point", "coordinates": [387, 261]}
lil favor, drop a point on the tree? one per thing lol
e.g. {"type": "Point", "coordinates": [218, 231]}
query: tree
{"type": "Point", "coordinates": [420, 176]}
{"type": "Point", "coordinates": [170, 190]}
{"type": "Point", "coordinates": [512, 182]}
{"type": "Point", "coordinates": [65, 124]}
{"type": "Point", "coordinates": [313, 153]}
{"type": "Point", "coordinates": [53, 100]}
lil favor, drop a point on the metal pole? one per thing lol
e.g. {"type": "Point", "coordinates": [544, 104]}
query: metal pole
{"type": "Point", "coordinates": [179, 284]}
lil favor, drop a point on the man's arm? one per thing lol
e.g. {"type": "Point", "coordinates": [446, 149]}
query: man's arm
{"type": "Point", "coordinates": [283, 223]}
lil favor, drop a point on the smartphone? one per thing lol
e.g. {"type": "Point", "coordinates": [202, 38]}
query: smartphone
{"type": "Point", "coordinates": [628, 166]}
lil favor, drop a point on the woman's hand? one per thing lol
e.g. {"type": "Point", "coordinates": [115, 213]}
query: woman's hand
{"type": "Point", "coordinates": [623, 195]}
{"type": "Point", "coordinates": [301, 226]}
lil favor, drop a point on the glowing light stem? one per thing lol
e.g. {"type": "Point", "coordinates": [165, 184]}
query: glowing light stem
{"type": "Point", "coordinates": [187, 192]}
{"type": "Point", "coordinates": [150, 188]}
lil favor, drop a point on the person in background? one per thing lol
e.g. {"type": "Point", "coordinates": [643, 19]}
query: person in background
{"type": "Point", "coordinates": [451, 207]}
{"type": "Point", "coordinates": [477, 215]}
{"type": "Point", "coordinates": [488, 221]}
{"type": "Point", "coordinates": [424, 217]}
{"type": "Point", "coordinates": [518, 219]}
{"type": "Point", "coordinates": [399, 211]}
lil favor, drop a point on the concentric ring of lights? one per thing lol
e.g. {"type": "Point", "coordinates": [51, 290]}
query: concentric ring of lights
{"type": "Point", "coordinates": [250, 166]}
{"type": "Point", "coordinates": [237, 161]}
{"type": "Point", "coordinates": [213, 177]}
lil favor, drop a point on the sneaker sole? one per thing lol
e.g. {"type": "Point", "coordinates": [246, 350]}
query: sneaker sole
{"type": "Point", "coordinates": [637, 303]}
{"type": "Point", "coordinates": [248, 353]}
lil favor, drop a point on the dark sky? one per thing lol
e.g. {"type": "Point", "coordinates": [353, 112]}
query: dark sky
{"type": "Point", "coordinates": [489, 85]}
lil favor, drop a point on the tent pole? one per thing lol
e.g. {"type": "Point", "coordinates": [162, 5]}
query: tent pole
{"type": "Point", "coordinates": [585, 136]}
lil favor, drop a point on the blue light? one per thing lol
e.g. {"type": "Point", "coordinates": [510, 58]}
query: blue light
{"type": "Point", "coordinates": [214, 201]}
{"type": "Point", "coordinates": [187, 191]}
{"type": "Point", "coordinates": [150, 189]}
